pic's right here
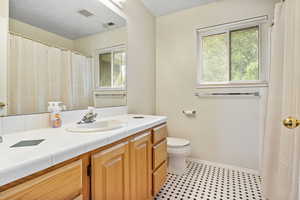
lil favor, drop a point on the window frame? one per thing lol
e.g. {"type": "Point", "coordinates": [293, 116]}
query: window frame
{"type": "Point", "coordinates": [263, 53]}
{"type": "Point", "coordinates": [111, 50]}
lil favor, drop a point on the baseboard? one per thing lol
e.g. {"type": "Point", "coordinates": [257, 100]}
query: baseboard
{"type": "Point", "coordinates": [246, 170]}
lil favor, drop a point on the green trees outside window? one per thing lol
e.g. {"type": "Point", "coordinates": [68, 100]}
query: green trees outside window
{"type": "Point", "coordinates": [231, 56]}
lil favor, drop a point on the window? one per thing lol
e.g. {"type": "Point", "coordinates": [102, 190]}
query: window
{"type": "Point", "coordinates": [231, 54]}
{"type": "Point", "coordinates": [112, 69]}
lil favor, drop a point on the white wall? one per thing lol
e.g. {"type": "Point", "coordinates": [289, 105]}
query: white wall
{"type": "Point", "coordinates": [141, 58]}
{"type": "Point", "coordinates": [88, 45]}
{"type": "Point", "coordinates": [225, 130]}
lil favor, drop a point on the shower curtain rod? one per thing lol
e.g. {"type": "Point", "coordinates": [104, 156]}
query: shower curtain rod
{"type": "Point", "coordinates": [47, 44]}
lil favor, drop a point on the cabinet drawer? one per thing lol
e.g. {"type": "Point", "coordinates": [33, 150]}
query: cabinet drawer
{"type": "Point", "coordinates": [64, 183]}
{"type": "Point", "coordinates": [159, 153]}
{"type": "Point", "coordinates": [159, 178]}
{"type": "Point", "coordinates": [159, 133]}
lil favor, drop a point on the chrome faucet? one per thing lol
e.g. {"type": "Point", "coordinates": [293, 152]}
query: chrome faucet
{"type": "Point", "coordinates": [88, 117]}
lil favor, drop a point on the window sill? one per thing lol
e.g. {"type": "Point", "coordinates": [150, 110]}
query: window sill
{"type": "Point", "coordinates": [110, 89]}
{"type": "Point", "coordinates": [233, 85]}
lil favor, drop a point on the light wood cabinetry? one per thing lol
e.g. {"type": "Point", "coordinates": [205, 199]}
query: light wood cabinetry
{"type": "Point", "coordinates": [140, 164]}
{"type": "Point", "coordinates": [159, 161]}
{"type": "Point", "coordinates": [159, 153]}
{"type": "Point", "coordinates": [159, 133]}
{"type": "Point", "coordinates": [159, 177]}
{"type": "Point", "coordinates": [64, 183]}
{"type": "Point", "coordinates": [110, 173]}
{"type": "Point", "coordinates": [134, 168]}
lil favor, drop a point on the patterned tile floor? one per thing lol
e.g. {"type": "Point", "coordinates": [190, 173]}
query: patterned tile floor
{"type": "Point", "coordinates": [203, 181]}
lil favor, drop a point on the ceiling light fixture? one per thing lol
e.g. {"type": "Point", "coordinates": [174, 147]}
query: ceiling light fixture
{"type": "Point", "coordinates": [85, 13]}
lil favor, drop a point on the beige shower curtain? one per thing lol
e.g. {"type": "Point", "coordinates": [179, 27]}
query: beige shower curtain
{"type": "Point", "coordinates": [38, 74]}
{"type": "Point", "coordinates": [282, 145]}
{"type": "Point", "coordinates": [82, 81]}
{"type": "Point", "coordinates": [26, 76]}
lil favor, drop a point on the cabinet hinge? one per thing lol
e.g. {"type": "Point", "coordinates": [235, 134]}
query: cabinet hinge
{"type": "Point", "coordinates": [89, 170]}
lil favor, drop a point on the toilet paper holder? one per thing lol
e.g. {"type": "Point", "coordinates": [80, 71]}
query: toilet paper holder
{"type": "Point", "coordinates": [189, 112]}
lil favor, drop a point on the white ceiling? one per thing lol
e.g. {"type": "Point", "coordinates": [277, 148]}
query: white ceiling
{"type": "Point", "coordinates": [62, 17]}
{"type": "Point", "coordinates": [163, 7]}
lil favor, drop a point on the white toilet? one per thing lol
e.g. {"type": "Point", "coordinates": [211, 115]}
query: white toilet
{"type": "Point", "coordinates": [178, 150]}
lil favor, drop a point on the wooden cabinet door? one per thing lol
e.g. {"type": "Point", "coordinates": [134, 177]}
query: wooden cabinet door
{"type": "Point", "coordinates": [159, 178]}
{"type": "Point", "coordinates": [141, 161]}
{"type": "Point", "coordinates": [159, 153]}
{"type": "Point", "coordinates": [64, 183]}
{"type": "Point", "coordinates": [110, 173]}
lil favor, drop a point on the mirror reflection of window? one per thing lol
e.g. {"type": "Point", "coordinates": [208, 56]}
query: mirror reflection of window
{"type": "Point", "coordinates": [112, 69]}
{"type": "Point", "coordinates": [105, 70]}
{"type": "Point", "coordinates": [119, 68]}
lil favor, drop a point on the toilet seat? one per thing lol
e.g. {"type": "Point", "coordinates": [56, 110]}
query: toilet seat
{"type": "Point", "coordinates": [178, 146]}
{"type": "Point", "coordinates": [177, 142]}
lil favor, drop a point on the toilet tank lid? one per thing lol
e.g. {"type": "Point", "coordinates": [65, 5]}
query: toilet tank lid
{"type": "Point", "coordinates": [177, 142]}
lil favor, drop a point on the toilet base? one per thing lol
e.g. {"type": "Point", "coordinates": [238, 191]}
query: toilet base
{"type": "Point", "coordinates": [177, 165]}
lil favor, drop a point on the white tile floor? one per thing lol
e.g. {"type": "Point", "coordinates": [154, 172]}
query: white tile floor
{"type": "Point", "coordinates": [203, 181]}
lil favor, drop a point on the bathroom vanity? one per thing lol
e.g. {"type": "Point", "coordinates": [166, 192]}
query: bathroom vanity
{"type": "Point", "coordinates": [127, 163]}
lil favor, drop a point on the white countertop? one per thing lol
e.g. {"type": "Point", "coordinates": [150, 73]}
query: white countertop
{"type": "Point", "coordinates": [60, 145]}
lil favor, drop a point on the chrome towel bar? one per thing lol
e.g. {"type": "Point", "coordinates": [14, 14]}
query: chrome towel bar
{"type": "Point", "coordinates": [256, 94]}
{"type": "Point", "coordinates": [110, 95]}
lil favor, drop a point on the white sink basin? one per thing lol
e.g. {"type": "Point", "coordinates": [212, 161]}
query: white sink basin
{"type": "Point", "coordinates": [98, 126]}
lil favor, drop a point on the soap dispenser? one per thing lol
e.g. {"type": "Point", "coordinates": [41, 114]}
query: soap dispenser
{"type": "Point", "coordinates": [55, 117]}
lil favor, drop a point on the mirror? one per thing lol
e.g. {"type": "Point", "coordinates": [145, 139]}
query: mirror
{"type": "Point", "coordinates": [69, 51]}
